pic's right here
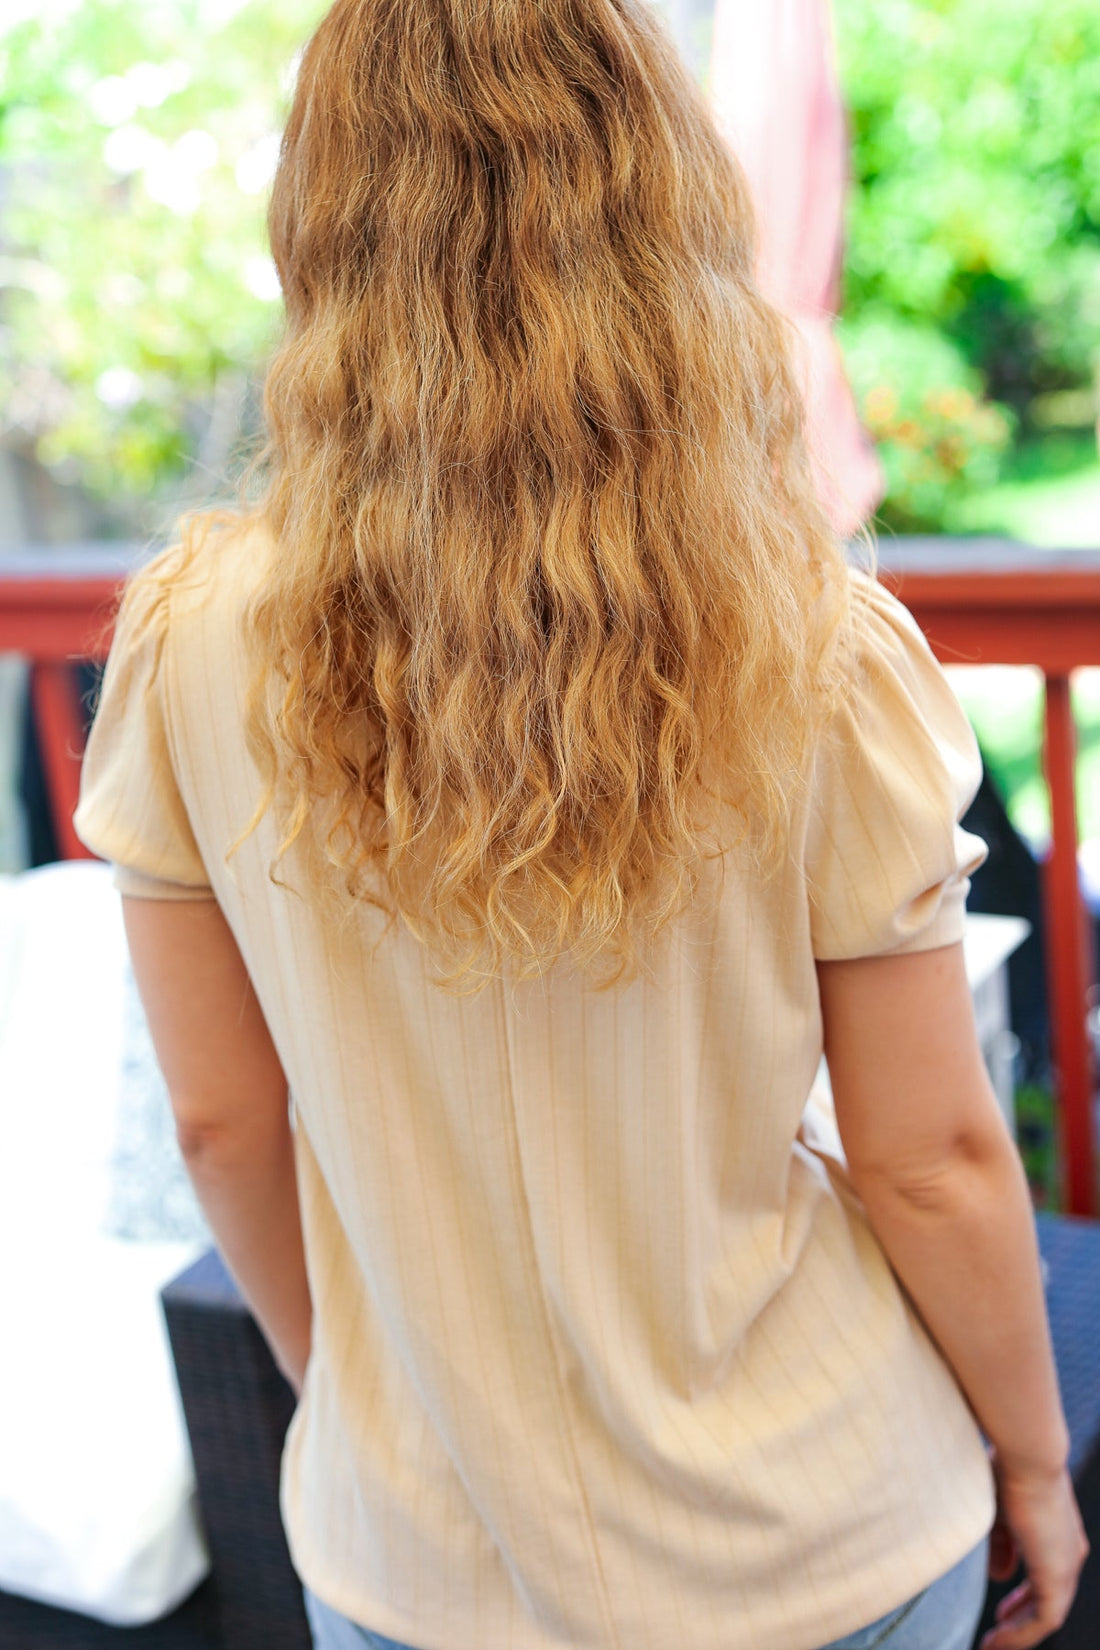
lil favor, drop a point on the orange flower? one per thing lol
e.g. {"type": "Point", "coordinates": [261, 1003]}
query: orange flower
{"type": "Point", "coordinates": [881, 404]}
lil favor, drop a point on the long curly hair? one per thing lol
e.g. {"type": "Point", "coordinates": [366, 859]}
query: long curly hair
{"type": "Point", "coordinates": [554, 609]}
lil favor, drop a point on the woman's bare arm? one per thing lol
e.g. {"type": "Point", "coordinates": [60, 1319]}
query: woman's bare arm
{"type": "Point", "coordinates": [930, 1155]}
{"type": "Point", "coordinates": [936, 1168]}
{"type": "Point", "coordinates": [230, 1102]}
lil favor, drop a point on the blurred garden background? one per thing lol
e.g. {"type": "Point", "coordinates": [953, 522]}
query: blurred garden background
{"type": "Point", "coordinates": [137, 142]}
{"type": "Point", "coordinates": [138, 300]}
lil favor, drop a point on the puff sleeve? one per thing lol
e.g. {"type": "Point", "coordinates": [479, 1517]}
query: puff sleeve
{"type": "Point", "coordinates": [131, 811]}
{"type": "Point", "coordinates": [887, 862]}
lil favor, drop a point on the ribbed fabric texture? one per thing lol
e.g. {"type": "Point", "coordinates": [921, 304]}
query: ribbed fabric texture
{"type": "Point", "coordinates": [605, 1355]}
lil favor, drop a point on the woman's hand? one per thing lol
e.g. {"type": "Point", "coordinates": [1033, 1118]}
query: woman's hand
{"type": "Point", "coordinates": [1038, 1522]}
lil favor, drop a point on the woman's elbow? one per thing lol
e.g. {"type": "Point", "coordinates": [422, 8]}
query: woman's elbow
{"type": "Point", "coordinates": [207, 1136]}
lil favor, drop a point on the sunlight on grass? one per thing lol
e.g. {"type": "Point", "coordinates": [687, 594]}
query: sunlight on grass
{"type": "Point", "coordinates": [1051, 497]}
{"type": "Point", "coordinates": [1056, 513]}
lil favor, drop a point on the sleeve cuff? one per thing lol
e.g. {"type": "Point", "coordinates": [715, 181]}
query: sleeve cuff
{"type": "Point", "coordinates": [946, 928]}
{"type": "Point", "coordinates": [136, 885]}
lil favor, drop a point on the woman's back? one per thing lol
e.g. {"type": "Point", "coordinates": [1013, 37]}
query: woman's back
{"type": "Point", "coordinates": [602, 1341]}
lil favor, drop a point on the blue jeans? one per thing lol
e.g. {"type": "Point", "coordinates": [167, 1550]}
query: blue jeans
{"type": "Point", "coordinates": [944, 1616]}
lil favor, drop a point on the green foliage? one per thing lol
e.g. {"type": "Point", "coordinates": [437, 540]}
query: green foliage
{"type": "Point", "coordinates": [1036, 1137]}
{"type": "Point", "coordinates": [136, 141]}
{"type": "Point", "coordinates": [137, 302]}
{"type": "Point", "coordinates": [974, 219]}
{"type": "Point", "coordinates": [1049, 493]}
{"type": "Point", "coordinates": [921, 401]}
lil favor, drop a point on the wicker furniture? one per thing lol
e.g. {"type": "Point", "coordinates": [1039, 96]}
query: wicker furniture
{"type": "Point", "coordinates": [1071, 1250]}
{"type": "Point", "coordinates": [25, 1625]}
{"type": "Point", "coordinates": [238, 1407]}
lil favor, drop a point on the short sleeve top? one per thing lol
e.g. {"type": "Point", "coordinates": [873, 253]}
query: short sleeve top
{"type": "Point", "coordinates": [888, 864]}
{"type": "Point", "coordinates": [603, 1342]}
{"type": "Point", "coordinates": [130, 795]}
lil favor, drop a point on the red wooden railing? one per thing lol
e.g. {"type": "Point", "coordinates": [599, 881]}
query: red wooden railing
{"type": "Point", "coordinates": [57, 606]}
{"type": "Point", "coordinates": [978, 601]}
{"type": "Point", "coordinates": [994, 602]}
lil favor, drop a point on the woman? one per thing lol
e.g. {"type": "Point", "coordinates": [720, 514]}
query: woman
{"type": "Point", "coordinates": [527, 786]}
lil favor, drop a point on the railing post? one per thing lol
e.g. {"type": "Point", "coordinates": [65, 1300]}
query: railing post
{"type": "Point", "coordinates": [56, 709]}
{"type": "Point", "coordinates": [1068, 970]}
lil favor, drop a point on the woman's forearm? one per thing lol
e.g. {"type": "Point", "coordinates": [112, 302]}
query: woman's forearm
{"type": "Point", "coordinates": [246, 1184]}
{"type": "Point", "coordinates": [230, 1101]}
{"type": "Point", "coordinates": [963, 1245]}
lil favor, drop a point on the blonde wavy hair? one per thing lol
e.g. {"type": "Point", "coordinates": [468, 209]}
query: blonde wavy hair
{"type": "Point", "coordinates": [554, 609]}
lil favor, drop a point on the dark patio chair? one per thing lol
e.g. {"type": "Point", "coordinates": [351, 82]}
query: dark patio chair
{"type": "Point", "coordinates": [25, 1625]}
{"type": "Point", "coordinates": [238, 1407]}
{"type": "Point", "coordinates": [1071, 1249]}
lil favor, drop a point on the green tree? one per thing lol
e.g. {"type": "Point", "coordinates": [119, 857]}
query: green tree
{"type": "Point", "coordinates": [137, 301]}
{"type": "Point", "coordinates": [137, 143]}
{"type": "Point", "coordinates": [974, 226]}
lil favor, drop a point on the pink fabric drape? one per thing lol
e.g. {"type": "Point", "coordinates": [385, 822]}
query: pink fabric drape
{"type": "Point", "coordinates": [776, 98]}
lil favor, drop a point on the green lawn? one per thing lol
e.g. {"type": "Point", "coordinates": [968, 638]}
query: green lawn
{"type": "Point", "coordinates": [1050, 495]}
{"type": "Point", "coordinates": [1064, 512]}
